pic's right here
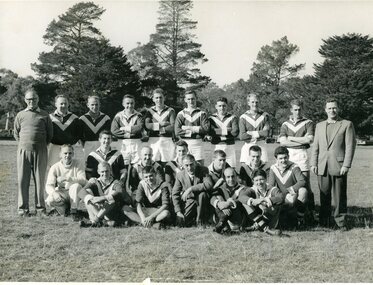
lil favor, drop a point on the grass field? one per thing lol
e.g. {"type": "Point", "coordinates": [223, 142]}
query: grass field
{"type": "Point", "coordinates": [56, 249]}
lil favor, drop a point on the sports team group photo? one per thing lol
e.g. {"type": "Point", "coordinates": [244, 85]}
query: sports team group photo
{"type": "Point", "coordinates": [129, 154]}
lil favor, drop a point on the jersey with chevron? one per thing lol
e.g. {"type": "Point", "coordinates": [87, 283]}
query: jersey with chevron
{"type": "Point", "coordinates": [97, 156]}
{"type": "Point", "coordinates": [299, 128]}
{"type": "Point", "coordinates": [135, 121]}
{"type": "Point", "coordinates": [248, 122]}
{"type": "Point", "coordinates": [91, 128]}
{"type": "Point", "coordinates": [66, 129]}
{"type": "Point", "coordinates": [222, 125]}
{"type": "Point", "coordinates": [152, 197]}
{"type": "Point", "coordinates": [167, 114]}
{"type": "Point", "coordinates": [196, 118]}
{"type": "Point", "coordinates": [291, 177]}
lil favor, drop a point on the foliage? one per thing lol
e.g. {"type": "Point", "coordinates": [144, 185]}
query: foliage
{"type": "Point", "coordinates": [347, 74]}
{"type": "Point", "coordinates": [82, 62]}
{"type": "Point", "coordinates": [172, 54]}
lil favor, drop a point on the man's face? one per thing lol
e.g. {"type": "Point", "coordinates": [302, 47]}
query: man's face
{"type": "Point", "coordinates": [331, 110]}
{"type": "Point", "coordinates": [282, 160]}
{"type": "Point", "coordinates": [191, 100]}
{"type": "Point", "coordinates": [67, 154]}
{"type": "Point", "coordinates": [104, 172]}
{"type": "Point", "coordinates": [219, 162]}
{"type": "Point", "coordinates": [189, 165]}
{"type": "Point", "coordinates": [254, 157]}
{"type": "Point", "coordinates": [146, 156]}
{"type": "Point", "coordinates": [221, 107]}
{"type": "Point", "coordinates": [259, 181]}
{"type": "Point", "coordinates": [149, 178]}
{"type": "Point", "coordinates": [296, 111]}
{"type": "Point", "coordinates": [181, 151]}
{"type": "Point", "coordinates": [128, 104]}
{"type": "Point", "coordinates": [158, 99]}
{"type": "Point", "coordinates": [62, 105]}
{"type": "Point", "coordinates": [93, 105]}
{"type": "Point", "coordinates": [230, 177]}
{"type": "Point", "coordinates": [105, 140]}
{"type": "Point", "coordinates": [253, 103]}
{"type": "Point", "coordinates": [31, 100]}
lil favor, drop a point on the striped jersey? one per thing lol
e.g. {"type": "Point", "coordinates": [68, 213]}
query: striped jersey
{"type": "Point", "coordinates": [300, 128]}
{"type": "Point", "coordinates": [239, 193]}
{"type": "Point", "coordinates": [97, 156]}
{"type": "Point", "coordinates": [290, 177]}
{"type": "Point", "coordinates": [91, 128]}
{"type": "Point", "coordinates": [223, 130]}
{"type": "Point", "coordinates": [66, 129]}
{"type": "Point", "coordinates": [157, 168]}
{"type": "Point", "coordinates": [153, 118]}
{"type": "Point", "coordinates": [273, 193]}
{"type": "Point", "coordinates": [246, 172]}
{"type": "Point", "coordinates": [134, 122]}
{"type": "Point", "coordinates": [249, 122]}
{"type": "Point", "coordinates": [196, 118]}
{"type": "Point", "coordinates": [155, 197]}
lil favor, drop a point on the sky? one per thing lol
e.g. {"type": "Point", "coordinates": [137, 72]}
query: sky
{"type": "Point", "coordinates": [231, 32]}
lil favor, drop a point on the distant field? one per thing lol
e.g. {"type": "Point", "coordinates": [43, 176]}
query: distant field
{"type": "Point", "coordinates": [55, 249]}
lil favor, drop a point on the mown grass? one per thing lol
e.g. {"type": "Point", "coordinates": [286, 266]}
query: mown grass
{"type": "Point", "coordinates": [55, 249]}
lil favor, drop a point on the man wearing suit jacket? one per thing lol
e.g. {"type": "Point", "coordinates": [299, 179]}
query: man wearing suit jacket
{"type": "Point", "coordinates": [332, 154]}
{"type": "Point", "coordinates": [190, 193]}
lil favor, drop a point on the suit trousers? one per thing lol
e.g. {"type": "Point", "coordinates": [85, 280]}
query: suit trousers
{"type": "Point", "coordinates": [35, 162]}
{"type": "Point", "coordinates": [333, 187]}
{"type": "Point", "coordinates": [196, 209]}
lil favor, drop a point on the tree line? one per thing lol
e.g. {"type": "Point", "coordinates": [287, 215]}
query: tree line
{"type": "Point", "coordinates": [82, 62]}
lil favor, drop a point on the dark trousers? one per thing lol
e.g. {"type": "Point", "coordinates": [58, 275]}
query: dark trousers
{"type": "Point", "coordinates": [196, 209]}
{"type": "Point", "coordinates": [333, 187]}
{"type": "Point", "coordinates": [236, 218]}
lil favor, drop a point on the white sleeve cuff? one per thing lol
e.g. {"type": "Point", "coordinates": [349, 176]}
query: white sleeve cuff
{"type": "Point", "coordinates": [255, 134]}
{"type": "Point", "coordinates": [156, 126]}
{"type": "Point", "coordinates": [87, 198]}
{"type": "Point", "coordinates": [216, 203]}
{"type": "Point", "coordinates": [110, 199]}
{"type": "Point", "coordinates": [250, 202]}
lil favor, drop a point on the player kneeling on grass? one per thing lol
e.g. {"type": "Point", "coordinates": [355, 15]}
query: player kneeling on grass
{"type": "Point", "coordinates": [264, 204]}
{"type": "Point", "coordinates": [104, 198]}
{"type": "Point", "coordinates": [65, 180]}
{"type": "Point", "coordinates": [153, 199]}
{"type": "Point", "coordinates": [288, 177]}
{"type": "Point", "coordinates": [227, 203]}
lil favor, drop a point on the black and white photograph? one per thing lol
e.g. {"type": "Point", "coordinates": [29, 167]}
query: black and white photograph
{"type": "Point", "coordinates": [186, 141]}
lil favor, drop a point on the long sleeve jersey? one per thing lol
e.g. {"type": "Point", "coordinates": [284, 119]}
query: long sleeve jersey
{"type": "Point", "coordinates": [290, 178]}
{"type": "Point", "coordinates": [66, 129]}
{"type": "Point", "coordinates": [223, 131]}
{"type": "Point", "coordinates": [97, 156]}
{"type": "Point", "coordinates": [299, 128]}
{"type": "Point", "coordinates": [155, 197]}
{"type": "Point", "coordinates": [239, 193]}
{"type": "Point", "coordinates": [153, 119]}
{"type": "Point", "coordinates": [246, 172]}
{"type": "Point", "coordinates": [274, 194]}
{"type": "Point", "coordinates": [258, 123]}
{"type": "Point", "coordinates": [197, 119]}
{"type": "Point", "coordinates": [127, 127]}
{"type": "Point", "coordinates": [91, 128]}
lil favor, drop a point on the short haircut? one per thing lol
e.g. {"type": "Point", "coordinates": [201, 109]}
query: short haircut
{"type": "Point", "coordinates": [251, 95]}
{"type": "Point", "coordinates": [128, 96]}
{"type": "Point", "coordinates": [231, 169]}
{"type": "Point", "coordinates": [219, 152]}
{"type": "Point", "coordinates": [190, 92]}
{"type": "Point", "coordinates": [31, 90]}
{"type": "Point", "coordinates": [67, 145]}
{"type": "Point", "coordinates": [148, 169]}
{"type": "Point", "coordinates": [255, 148]}
{"type": "Point", "coordinates": [158, 91]}
{"type": "Point", "coordinates": [259, 172]}
{"type": "Point", "coordinates": [331, 100]}
{"type": "Point", "coordinates": [222, 99]}
{"type": "Point", "coordinates": [189, 157]}
{"type": "Point", "coordinates": [296, 102]}
{"type": "Point", "coordinates": [95, 97]}
{"type": "Point", "coordinates": [60, 96]}
{"type": "Point", "coordinates": [181, 143]}
{"type": "Point", "coordinates": [281, 150]}
{"type": "Point", "coordinates": [104, 164]}
{"type": "Point", "coordinates": [147, 147]}
{"type": "Point", "coordinates": [104, 132]}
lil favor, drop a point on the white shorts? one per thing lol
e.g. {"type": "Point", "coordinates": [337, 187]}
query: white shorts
{"type": "Point", "coordinates": [163, 148]}
{"type": "Point", "coordinates": [195, 147]}
{"type": "Point", "coordinates": [130, 148]}
{"type": "Point", "coordinates": [230, 151]}
{"type": "Point", "coordinates": [299, 157]}
{"type": "Point", "coordinates": [245, 152]}
{"type": "Point", "coordinates": [90, 146]}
